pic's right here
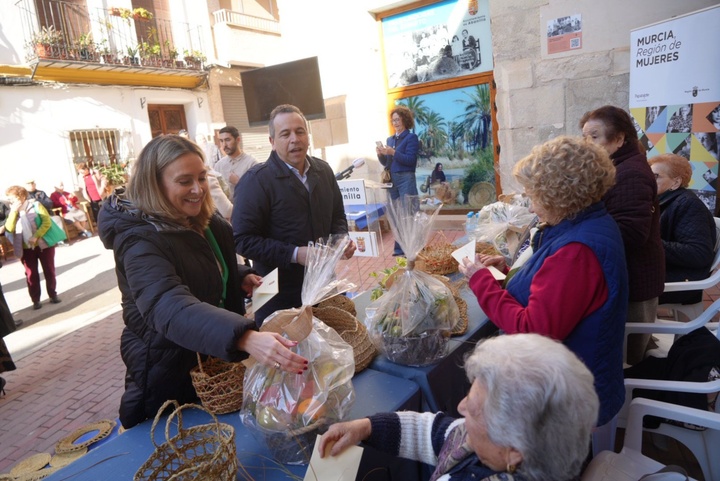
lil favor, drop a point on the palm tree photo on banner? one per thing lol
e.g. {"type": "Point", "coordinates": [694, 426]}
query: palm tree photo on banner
{"type": "Point", "coordinates": [455, 132]}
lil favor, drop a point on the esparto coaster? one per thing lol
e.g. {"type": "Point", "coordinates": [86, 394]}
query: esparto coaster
{"type": "Point", "coordinates": [63, 459]}
{"type": "Point", "coordinates": [30, 464]}
{"type": "Point", "coordinates": [103, 427]}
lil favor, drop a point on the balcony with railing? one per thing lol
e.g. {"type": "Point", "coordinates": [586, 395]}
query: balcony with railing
{"type": "Point", "coordinates": [65, 35]}
{"type": "Point", "coordinates": [244, 20]}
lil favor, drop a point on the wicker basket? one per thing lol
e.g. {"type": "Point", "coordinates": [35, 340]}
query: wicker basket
{"type": "Point", "coordinates": [462, 324]}
{"type": "Point", "coordinates": [219, 384]}
{"type": "Point", "coordinates": [351, 331]}
{"type": "Point", "coordinates": [206, 451]}
{"type": "Point", "coordinates": [436, 258]}
{"type": "Point", "coordinates": [342, 302]}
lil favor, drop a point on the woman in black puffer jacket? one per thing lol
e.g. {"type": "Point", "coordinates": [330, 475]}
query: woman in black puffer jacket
{"type": "Point", "coordinates": [687, 227]}
{"type": "Point", "coordinates": [177, 272]}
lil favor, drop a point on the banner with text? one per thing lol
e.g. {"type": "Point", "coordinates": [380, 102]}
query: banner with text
{"type": "Point", "coordinates": [675, 93]}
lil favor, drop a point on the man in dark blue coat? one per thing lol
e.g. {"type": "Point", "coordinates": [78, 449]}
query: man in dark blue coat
{"type": "Point", "coordinates": [284, 203]}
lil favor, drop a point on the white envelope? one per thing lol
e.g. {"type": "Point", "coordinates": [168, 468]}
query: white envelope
{"type": "Point", "coordinates": [334, 468]}
{"type": "Point", "coordinates": [468, 250]}
{"type": "Point", "coordinates": [266, 291]}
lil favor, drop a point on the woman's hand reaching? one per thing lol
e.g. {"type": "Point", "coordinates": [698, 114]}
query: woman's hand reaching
{"type": "Point", "coordinates": [497, 262]}
{"type": "Point", "coordinates": [271, 349]}
{"type": "Point", "coordinates": [470, 267]}
{"type": "Point", "coordinates": [341, 436]}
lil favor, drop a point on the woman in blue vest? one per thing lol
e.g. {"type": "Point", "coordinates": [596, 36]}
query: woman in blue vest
{"type": "Point", "coordinates": [573, 287]}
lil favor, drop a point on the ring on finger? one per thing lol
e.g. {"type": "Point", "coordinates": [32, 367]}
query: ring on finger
{"type": "Point", "coordinates": [277, 365]}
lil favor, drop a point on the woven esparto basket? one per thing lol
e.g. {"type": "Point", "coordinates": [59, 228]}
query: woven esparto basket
{"type": "Point", "coordinates": [219, 384]}
{"type": "Point", "coordinates": [351, 331]}
{"type": "Point", "coordinates": [462, 324]}
{"type": "Point", "coordinates": [340, 301]}
{"type": "Point", "coordinates": [436, 257]}
{"type": "Point", "coordinates": [206, 451]}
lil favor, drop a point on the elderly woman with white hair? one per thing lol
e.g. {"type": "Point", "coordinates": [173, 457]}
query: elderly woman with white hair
{"type": "Point", "coordinates": [528, 416]}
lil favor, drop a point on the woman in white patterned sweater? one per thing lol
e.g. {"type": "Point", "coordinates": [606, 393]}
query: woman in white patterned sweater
{"type": "Point", "coordinates": [528, 416]}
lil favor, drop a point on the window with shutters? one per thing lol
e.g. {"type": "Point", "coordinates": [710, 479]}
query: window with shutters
{"type": "Point", "coordinates": [98, 147]}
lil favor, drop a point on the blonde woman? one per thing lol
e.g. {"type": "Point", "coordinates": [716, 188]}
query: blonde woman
{"type": "Point", "coordinates": [178, 275]}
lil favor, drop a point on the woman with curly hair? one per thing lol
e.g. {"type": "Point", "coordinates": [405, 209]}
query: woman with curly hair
{"type": "Point", "coordinates": [573, 288]}
{"type": "Point", "coordinates": [400, 155]}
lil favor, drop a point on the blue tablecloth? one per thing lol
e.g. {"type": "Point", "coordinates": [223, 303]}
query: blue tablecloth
{"type": "Point", "coordinates": [364, 214]}
{"type": "Point", "coordinates": [120, 457]}
{"type": "Point", "coordinates": [443, 384]}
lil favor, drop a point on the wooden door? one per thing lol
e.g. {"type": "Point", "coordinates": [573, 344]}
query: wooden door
{"type": "Point", "coordinates": [166, 119]}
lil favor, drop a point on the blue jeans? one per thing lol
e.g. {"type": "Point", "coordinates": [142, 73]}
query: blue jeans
{"type": "Point", "coordinates": [404, 183]}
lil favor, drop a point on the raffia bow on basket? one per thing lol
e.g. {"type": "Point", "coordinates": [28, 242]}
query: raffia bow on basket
{"type": "Point", "coordinates": [218, 384]}
{"type": "Point", "coordinates": [206, 451]}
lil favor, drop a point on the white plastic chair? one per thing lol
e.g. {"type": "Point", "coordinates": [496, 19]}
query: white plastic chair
{"type": "Point", "coordinates": [701, 443]}
{"type": "Point", "coordinates": [694, 310]}
{"type": "Point", "coordinates": [630, 464]}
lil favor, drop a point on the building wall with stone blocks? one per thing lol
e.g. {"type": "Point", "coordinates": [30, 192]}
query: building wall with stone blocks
{"type": "Point", "coordinates": [541, 95]}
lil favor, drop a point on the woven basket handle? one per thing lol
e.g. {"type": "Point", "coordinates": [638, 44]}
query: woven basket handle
{"type": "Point", "coordinates": [200, 363]}
{"type": "Point", "coordinates": [159, 415]}
{"type": "Point", "coordinates": [177, 412]}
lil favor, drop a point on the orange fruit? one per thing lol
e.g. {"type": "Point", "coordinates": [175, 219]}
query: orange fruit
{"type": "Point", "coordinates": [309, 412]}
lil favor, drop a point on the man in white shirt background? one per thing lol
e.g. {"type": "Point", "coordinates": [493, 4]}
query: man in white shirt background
{"type": "Point", "coordinates": [236, 162]}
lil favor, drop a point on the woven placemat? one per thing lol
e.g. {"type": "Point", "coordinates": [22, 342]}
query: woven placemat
{"type": "Point", "coordinates": [30, 464]}
{"type": "Point", "coordinates": [63, 459]}
{"type": "Point", "coordinates": [37, 475]}
{"type": "Point", "coordinates": [66, 445]}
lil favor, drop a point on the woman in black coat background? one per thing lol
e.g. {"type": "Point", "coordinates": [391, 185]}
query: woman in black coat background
{"type": "Point", "coordinates": [687, 227]}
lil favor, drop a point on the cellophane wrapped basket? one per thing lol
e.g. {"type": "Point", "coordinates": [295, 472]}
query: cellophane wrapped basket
{"type": "Point", "coordinates": [504, 226]}
{"type": "Point", "coordinates": [287, 410]}
{"type": "Point", "coordinates": [412, 321]}
{"type": "Point", "coordinates": [206, 451]}
{"type": "Point", "coordinates": [218, 384]}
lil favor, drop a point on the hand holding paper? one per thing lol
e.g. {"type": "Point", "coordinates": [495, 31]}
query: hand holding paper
{"type": "Point", "coordinates": [343, 467]}
{"type": "Point", "coordinates": [266, 291]}
{"type": "Point", "coordinates": [468, 250]}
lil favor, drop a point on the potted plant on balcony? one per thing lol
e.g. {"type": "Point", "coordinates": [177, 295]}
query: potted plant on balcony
{"type": "Point", "coordinates": [140, 14]}
{"type": "Point", "coordinates": [46, 42]}
{"type": "Point", "coordinates": [86, 48]}
{"type": "Point", "coordinates": [105, 53]}
{"type": "Point", "coordinates": [194, 59]}
{"type": "Point", "coordinates": [130, 58]}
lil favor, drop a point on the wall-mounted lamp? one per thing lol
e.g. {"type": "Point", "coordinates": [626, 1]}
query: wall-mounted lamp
{"type": "Point", "coordinates": [143, 101]}
{"type": "Point", "coordinates": [200, 101]}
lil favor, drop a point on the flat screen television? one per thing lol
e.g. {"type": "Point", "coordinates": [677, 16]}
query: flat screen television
{"type": "Point", "coordinates": [297, 83]}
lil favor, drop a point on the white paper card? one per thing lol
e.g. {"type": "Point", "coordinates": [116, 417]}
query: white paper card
{"type": "Point", "coordinates": [468, 250]}
{"type": "Point", "coordinates": [334, 468]}
{"type": "Point", "coordinates": [496, 273]}
{"type": "Point", "coordinates": [266, 291]}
